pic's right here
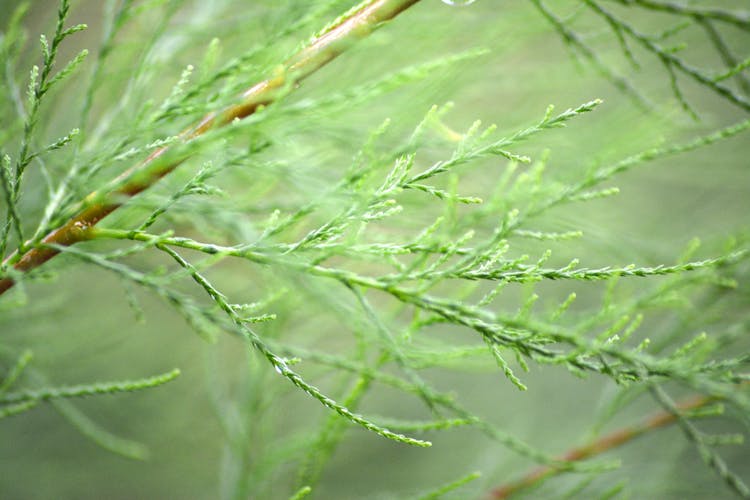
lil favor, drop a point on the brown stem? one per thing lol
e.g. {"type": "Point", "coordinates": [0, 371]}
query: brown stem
{"type": "Point", "coordinates": [604, 443]}
{"type": "Point", "coordinates": [359, 23]}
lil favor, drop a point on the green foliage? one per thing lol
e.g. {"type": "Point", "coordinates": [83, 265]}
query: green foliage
{"type": "Point", "coordinates": [369, 249]}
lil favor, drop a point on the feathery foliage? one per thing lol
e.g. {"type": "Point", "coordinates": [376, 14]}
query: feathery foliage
{"type": "Point", "coordinates": [382, 263]}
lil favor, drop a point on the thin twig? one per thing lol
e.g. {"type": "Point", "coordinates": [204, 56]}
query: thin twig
{"type": "Point", "coordinates": [326, 46]}
{"type": "Point", "coordinates": [599, 446]}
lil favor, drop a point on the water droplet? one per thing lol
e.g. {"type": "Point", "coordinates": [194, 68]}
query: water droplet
{"type": "Point", "coordinates": [458, 3]}
{"type": "Point", "coordinates": [281, 366]}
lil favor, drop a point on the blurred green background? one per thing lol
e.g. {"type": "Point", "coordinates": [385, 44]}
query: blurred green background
{"type": "Point", "coordinates": [81, 328]}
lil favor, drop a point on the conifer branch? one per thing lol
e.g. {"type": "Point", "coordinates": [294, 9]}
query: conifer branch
{"type": "Point", "coordinates": [740, 19]}
{"type": "Point", "coordinates": [599, 446]}
{"type": "Point", "coordinates": [671, 61]}
{"type": "Point", "coordinates": [87, 390]}
{"type": "Point", "coordinates": [427, 266]}
{"type": "Point", "coordinates": [575, 41]}
{"type": "Point", "coordinates": [332, 41]}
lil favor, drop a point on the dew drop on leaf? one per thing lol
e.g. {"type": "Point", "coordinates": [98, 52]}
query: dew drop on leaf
{"type": "Point", "coordinates": [458, 3]}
